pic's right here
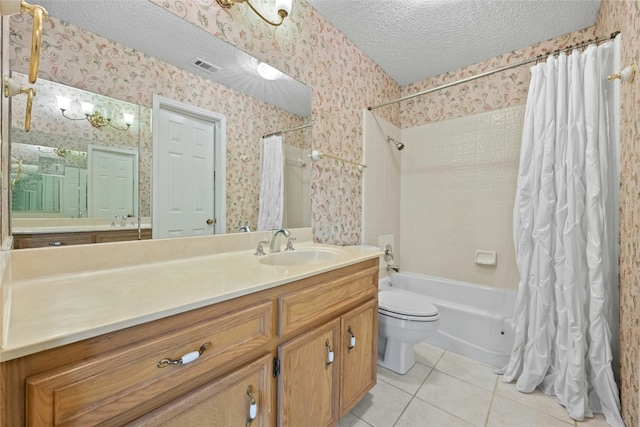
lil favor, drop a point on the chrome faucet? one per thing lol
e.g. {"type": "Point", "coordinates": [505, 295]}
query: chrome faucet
{"type": "Point", "coordinates": [275, 241]}
{"type": "Point", "coordinates": [244, 228]}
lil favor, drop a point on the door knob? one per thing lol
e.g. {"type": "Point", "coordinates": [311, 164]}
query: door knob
{"type": "Point", "coordinates": [209, 221]}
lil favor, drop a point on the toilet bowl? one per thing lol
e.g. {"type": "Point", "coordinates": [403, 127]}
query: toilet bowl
{"type": "Point", "coordinates": [404, 319]}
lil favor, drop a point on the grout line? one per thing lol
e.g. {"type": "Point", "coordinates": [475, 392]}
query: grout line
{"type": "Point", "coordinates": [493, 396]}
{"type": "Point", "coordinates": [403, 411]}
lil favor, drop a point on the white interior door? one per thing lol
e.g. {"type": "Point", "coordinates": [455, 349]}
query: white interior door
{"type": "Point", "coordinates": [113, 182]}
{"type": "Point", "coordinates": [183, 172]}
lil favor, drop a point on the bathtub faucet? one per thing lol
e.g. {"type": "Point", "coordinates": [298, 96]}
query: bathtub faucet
{"type": "Point", "coordinates": [393, 268]}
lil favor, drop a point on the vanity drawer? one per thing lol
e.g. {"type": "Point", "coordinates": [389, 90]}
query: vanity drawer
{"type": "Point", "coordinates": [97, 389]}
{"type": "Point", "coordinates": [28, 241]}
{"type": "Point", "coordinates": [305, 307]}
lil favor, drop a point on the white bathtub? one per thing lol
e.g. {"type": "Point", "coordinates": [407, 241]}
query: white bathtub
{"type": "Point", "coordinates": [475, 320]}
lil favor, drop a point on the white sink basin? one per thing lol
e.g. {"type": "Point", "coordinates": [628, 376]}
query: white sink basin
{"type": "Point", "coordinates": [301, 257]}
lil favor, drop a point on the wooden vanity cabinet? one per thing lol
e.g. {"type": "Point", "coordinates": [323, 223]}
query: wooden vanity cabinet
{"type": "Point", "coordinates": [325, 371]}
{"type": "Point", "coordinates": [276, 342]}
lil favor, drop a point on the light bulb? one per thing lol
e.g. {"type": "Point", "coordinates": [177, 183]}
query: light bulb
{"type": "Point", "coordinates": [268, 72]}
{"type": "Point", "coordinates": [128, 118]}
{"type": "Point", "coordinates": [284, 5]}
{"type": "Point", "coordinates": [63, 102]}
{"type": "Point", "coordinates": [87, 108]}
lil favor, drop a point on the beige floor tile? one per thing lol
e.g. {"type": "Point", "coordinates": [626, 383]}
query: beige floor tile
{"type": "Point", "coordinates": [507, 413]}
{"type": "Point", "coordinates": [468, 370]}
{"type": "Point", "coordinates": [457, 397]}
{"type": "Point", "coordinates": [597, 421]}
{"type": "Point", "coordinates": [535, 400]}
{"type": "Point", "coordinates": [422, 414]}
{"type": "Point", "coordinates": [351, 420]}
{"type": "Point", "coordinates": [409, 382]}
{"type": "Point", "coordinates": [428, 354]}
{"type": "Point", "coordinates": [382, 406]}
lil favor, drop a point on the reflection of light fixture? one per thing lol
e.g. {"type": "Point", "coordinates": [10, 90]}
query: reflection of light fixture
{"type": "Point", "coordinates": [61, 152]}
{"type": "Point", "coordinates": [96, 119]}
{"type": "Point", "coordinates": [282, 6]}
{"type": "Point", "coordinates": [268, 72]}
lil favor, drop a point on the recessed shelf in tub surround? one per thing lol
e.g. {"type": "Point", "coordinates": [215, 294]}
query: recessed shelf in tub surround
{"type": "Point", "coordinates": [56, 296]}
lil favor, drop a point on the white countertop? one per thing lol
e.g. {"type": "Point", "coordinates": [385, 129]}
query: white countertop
{"type": "Point", "coordinates": [50, 310]}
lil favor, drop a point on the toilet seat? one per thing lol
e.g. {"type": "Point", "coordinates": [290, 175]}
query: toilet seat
{"type": "Point", "coordinates": [402, 305]}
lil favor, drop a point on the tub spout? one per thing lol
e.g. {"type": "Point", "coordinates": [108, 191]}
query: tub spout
{"type": "Point", "coordinates": [393, 268]}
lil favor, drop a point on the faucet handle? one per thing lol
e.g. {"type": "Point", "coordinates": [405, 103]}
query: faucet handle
{"type": "Point", "coordinates": [290, 244]}
{"type": "Point", "coordinates": [260, 249]}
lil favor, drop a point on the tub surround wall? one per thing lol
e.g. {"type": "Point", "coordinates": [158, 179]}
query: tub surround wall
{"type": "Point", "coordinates": [624, 16]}
{"type": "Point", "coordinates": [458, 188]}
{"type": "Point", "coordinates": [381, 187]}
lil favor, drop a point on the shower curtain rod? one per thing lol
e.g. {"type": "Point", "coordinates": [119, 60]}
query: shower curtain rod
{"type": "Point", "coordinates": [288, 130]}
{"type": "Point", "coordinates": [497, 70]}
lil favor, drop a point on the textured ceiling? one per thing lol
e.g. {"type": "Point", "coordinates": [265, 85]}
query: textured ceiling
{"type": "Point", "coordinates": [413, 40]}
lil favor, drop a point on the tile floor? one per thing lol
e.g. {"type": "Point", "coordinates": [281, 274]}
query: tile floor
{"type": "Point", "coordinates": [445, 389]}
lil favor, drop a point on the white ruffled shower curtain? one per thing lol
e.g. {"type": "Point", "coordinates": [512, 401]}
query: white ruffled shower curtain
{"type": "Point", "coordinates": [271, 184]}
{"type": "Point", "coordinates": [565, 225]}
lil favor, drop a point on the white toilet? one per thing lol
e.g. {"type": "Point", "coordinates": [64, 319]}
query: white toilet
{"type": "Point", "coordinates": [404, 319]}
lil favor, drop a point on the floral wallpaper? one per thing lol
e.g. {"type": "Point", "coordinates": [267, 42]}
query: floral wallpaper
{"type": "Point", "coordinates": [624, 16]}
{"type": "Point", "coordinates": [75, 57]}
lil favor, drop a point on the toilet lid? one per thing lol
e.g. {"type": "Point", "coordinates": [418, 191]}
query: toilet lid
{"type": "Point", "coordinates": [406, 304]}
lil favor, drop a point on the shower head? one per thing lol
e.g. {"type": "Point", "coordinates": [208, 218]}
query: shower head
{"type": "Point", "coordinates": [399, 145]}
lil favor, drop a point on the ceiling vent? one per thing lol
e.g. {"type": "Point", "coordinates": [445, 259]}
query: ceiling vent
{"type": "Point", "coordinates": [204, 65]}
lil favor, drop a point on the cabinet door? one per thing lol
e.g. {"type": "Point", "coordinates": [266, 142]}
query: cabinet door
{"type": "Point", "coordinates": [359, 334]}
{"type": "Point", "coordinates": [224, 402]}
{"type": "Point", "coordinates": [308, 380]}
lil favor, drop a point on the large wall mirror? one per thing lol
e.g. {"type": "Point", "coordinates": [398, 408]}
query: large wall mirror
{"type": "Point", "coordinates": [57, 168]}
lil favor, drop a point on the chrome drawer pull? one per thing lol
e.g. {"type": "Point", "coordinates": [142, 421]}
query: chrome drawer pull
{"type": "Point", "coordinates": [329, 355]}
{"type": "Point", "coordinates": [187, 358]}
{"type": "Point", "coordinates": [253, 406]}
{"type": "Point", "coordinates": [352, 338]}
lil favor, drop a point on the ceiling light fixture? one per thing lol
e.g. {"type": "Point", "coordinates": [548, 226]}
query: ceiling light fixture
{"type": "Point", "coordinates": [96, 119]}
{"type": "Point", "coordinates": [267, 72]}
{"type": "Point", "coordinates": [282, 6]}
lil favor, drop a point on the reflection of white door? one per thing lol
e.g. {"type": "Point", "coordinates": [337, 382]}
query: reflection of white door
{"type": "Point", "coordinates": [69, 191]}
{"type": "Point", "coordinates": [113, 182]}
{"type": "Point", "coordinates": [186, 141]}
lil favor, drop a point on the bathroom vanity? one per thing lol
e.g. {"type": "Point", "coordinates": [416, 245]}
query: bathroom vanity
{"type": "Point", "coordinates": [284, 342]}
